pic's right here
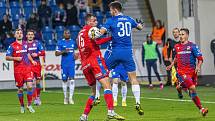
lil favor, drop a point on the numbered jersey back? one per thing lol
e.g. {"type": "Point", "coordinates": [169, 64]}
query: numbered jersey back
{"type": "Point", "coordinates": [86, 46]}
{"type": "Point", "coordinates": [121, 29]}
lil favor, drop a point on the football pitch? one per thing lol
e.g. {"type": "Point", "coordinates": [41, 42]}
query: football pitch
{"type": "Point", "coordinates": [158, 106]}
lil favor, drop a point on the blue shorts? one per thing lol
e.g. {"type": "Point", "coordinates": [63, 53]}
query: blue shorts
{"type": "Point", "coordinates": [67, 72]}
{"type": "Point", "coordinates": [120, 56]}
{"type": "Point", "coordinates": [120, 72]}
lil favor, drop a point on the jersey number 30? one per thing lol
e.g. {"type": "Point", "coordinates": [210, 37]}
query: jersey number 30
{"type": "Point", "coordinates": [125, 29]}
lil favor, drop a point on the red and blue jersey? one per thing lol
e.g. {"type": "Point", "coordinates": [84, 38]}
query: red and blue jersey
{"type": "Point", "coordinates": [186, 55]}
{"type": "Point", "coordinates": [36, 47]}
{"type": "Point", "coordinates": [19, 50]}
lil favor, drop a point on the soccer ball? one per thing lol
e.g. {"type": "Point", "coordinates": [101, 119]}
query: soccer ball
{"type": "Point", "coordinates": [94, 33]}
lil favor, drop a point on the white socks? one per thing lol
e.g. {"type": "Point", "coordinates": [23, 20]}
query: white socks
{"type": "Point", "coordinates": [136, 92]}
{"type": "Point", "coordinates": [124, 92]}
{"type": "Point", "coordinates": [64, 86]}
{"type": "Point", "coordinates": [71, 88]}
{"type": "Point", "coordinates": [71, 85]}
{"type": "Point", "coordinates": [98, 88]}
{"type": "Point", "coordinates": [115, 91]}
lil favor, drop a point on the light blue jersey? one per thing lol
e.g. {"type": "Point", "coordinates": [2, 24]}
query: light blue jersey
{"type": "Point", "coordinates": [67, 60]}
{"type": "Point", "coordinates": [121, 53]}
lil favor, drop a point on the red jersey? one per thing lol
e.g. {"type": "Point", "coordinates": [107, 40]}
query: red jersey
{"type": "Point", "coordinates": [87, 47]}
{"type": "Point", "coordinates": [19, 50]}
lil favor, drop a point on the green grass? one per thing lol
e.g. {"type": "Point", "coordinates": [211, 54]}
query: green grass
{"type": "Point", "coordinates": [156, 109]}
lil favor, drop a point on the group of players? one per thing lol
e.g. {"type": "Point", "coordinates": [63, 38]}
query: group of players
{"type": "Point", "coordinates": [27, 67]}
{"type": "Point", "coordinates": [96, 68]}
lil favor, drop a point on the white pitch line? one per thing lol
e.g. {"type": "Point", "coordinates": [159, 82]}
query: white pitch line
{"type": "Point", "coordinates": [149, 98]}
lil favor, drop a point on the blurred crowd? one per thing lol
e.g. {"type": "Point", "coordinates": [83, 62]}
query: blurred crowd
{"type": "Point", "coordinates": [48, 18]}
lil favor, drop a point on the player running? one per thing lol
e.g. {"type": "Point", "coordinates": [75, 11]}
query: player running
{"type": "Point", "coordinates": [17, 52]}
{"type": "Point", "coordinates": [35, 49]}
{"type": "Point", "coordinates": [66, 48]}
{"type": "Point", "coordinates": [94, 68]}
{"type": "Point", "coordinates": [187, 69]}
{"type": "Point", "coordinates": [121, 28]}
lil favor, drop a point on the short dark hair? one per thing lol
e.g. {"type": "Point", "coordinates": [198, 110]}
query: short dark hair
{"type": "Point", "coordinates": [88, 16]}
{"type": "Point", "coordinates": [116, 5]}
{"type": "Point", "coordinates": [30, 30]}
{"type": "Point", "coordinates": [186, 30]}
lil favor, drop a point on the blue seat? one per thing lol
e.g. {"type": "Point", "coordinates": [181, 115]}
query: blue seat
{"type": "Point", "coordinates": [82, 18]}
{"type": "Point", "coordinates": [107, 14]}
{"type": "Point", "coordinates": [47, 33]}
{"type": "Point", "coordinates": [38, 3]}
{"type": "Point", "coordinates": [3, 11]}
{"type": "Point", "coordinates": [2, 4]}
{"type": "Point", "coordinates": [99, 16]}
{"type": "Point", "coordinates": [15, 20]}
{"type": "Point", "coordinates": [74, 29]}
{"type": "Point", "coordinates": [59, 32]}
{"type": "Point", "coordinates": [15, 8]}
{"type": "Point", "coordinates": [50, 44]}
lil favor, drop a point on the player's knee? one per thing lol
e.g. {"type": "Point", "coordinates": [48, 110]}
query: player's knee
{"type": "Point", "coordinates": [123, 83]}
{"type": "Point", "coordinates": [20, 90]}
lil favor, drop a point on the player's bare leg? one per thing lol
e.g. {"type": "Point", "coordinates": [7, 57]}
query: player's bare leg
{"type": "Point", "coordinates": [136, 91]}
{"type": "Point", "coordinates": [109, 100]}
{"type": "Point", "coordinates": [197, 101]}
{"type": "Point", "coordinates": [29, 96]}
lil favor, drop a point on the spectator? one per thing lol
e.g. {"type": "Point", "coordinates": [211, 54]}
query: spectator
{"type": "Point", "coordinates": [213, 49]}
{"type": "Point", "coordinates": [158, 33]}
{"type": "Point", "coordinates": [150, 53]}
{"type": "Point", "coordinates": [173, 41]}
{"type": "Point", "coordinates": [82, 5]}
{"type": "Point", "coordinates": [5, 26]}
{"type": "Point", "coordinates": [59, 17]}
{"type": "Point", "coordinates": [167, 59]}
{"type": "Point", "coordinates": [95, 5]}
{"type": "Point", "coordinates": [72, 15]}
{"type": "Point", "coordinates": [22, 25]}
{"type": "Point", "coordinates": [34, 23]}
{"type": "Point", "coordinates": [45, 13]}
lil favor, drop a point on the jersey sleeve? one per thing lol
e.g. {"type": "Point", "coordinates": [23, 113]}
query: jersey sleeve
{"type": "Point", "coordinates": [108, 24]}
{"type": "Point", "coordinates": [196, 51]}
{"type": "Point", "coordinates": [40, 47]}
{"type": "Point", "coordinates": [9, 51]}
{"type": "Point", "coordinates": [59, 46]}
{"type": "Point", "coordinates": [133, 23]}
{"type": "Point", "coordinates": [41, 50]}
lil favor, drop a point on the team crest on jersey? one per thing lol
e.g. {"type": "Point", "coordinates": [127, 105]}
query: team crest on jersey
{"type": "Point", "coordinates": [34, 44]}
{"type": "Point", "coordinates": [184, 76]}
{"type": "Point", "coordinates": [25, 46]}
{"type": "Point", "coordinates": [188, 47]}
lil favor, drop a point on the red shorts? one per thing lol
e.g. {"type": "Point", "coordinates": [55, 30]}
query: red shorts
{"type": "Point", "coordinates": [23, 75]}
{"type": "Point", "coordinates": [36, 71]}
{"type": "Point", "coordinates": [187, 79]}
{"type": "Point", "coordinates": [94, 68]}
